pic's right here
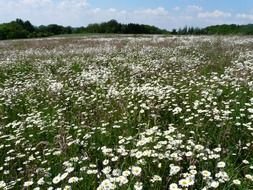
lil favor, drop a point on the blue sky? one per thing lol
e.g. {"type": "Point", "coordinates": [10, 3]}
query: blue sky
{"type": "Point", "coordinates": [235, 5]}
{"type": "Point", "coordinates": [162, 13]}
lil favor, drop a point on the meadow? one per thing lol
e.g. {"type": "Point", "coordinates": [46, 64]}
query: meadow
{"type": "Point", "coordinates": [130, 113]}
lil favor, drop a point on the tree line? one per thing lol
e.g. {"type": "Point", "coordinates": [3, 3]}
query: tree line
{"type": "Point", "coordinates": [24, 29]}
{"type": "Point", "coordinates": [224, 29]}
{"type": "Point", "coordinates": [114, 27]}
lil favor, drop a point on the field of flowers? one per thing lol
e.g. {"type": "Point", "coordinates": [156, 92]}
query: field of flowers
{"type": "Point", "coordinates": [126, 113]}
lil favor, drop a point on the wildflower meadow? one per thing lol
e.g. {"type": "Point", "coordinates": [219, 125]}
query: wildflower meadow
{"type": "Point", "coordinates": [126, 112]}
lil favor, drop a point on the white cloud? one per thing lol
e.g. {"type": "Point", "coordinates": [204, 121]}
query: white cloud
{"type": "Point", "coordinates": [157, 16]}
{"type": "Point", "coordinates": [77, 13]}
{"type": "Point", "coordinates": [65, 12]}
{"type": "Point", "coordinates": [160, 11]}
{"type": "Point", "coordinates": [214, 14]}
{"type": "Point", "coordinates": [112, 10]}
{"type": "Point", "coordinates": [78, 4]}
{"type": "Point", "coordinates": [245, 16]}
{"type": "Point", "coordinates": [36, 2]}
{"type": "Point", "coordinates": [177, 8]}
{"type": "Point", "coordinates": [194, 8]}
{"type": "Point", "coordinates": [188, 17]}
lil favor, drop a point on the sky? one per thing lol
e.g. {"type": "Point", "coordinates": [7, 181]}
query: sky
{"type": "Point", "coordinates": [167, 14]}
